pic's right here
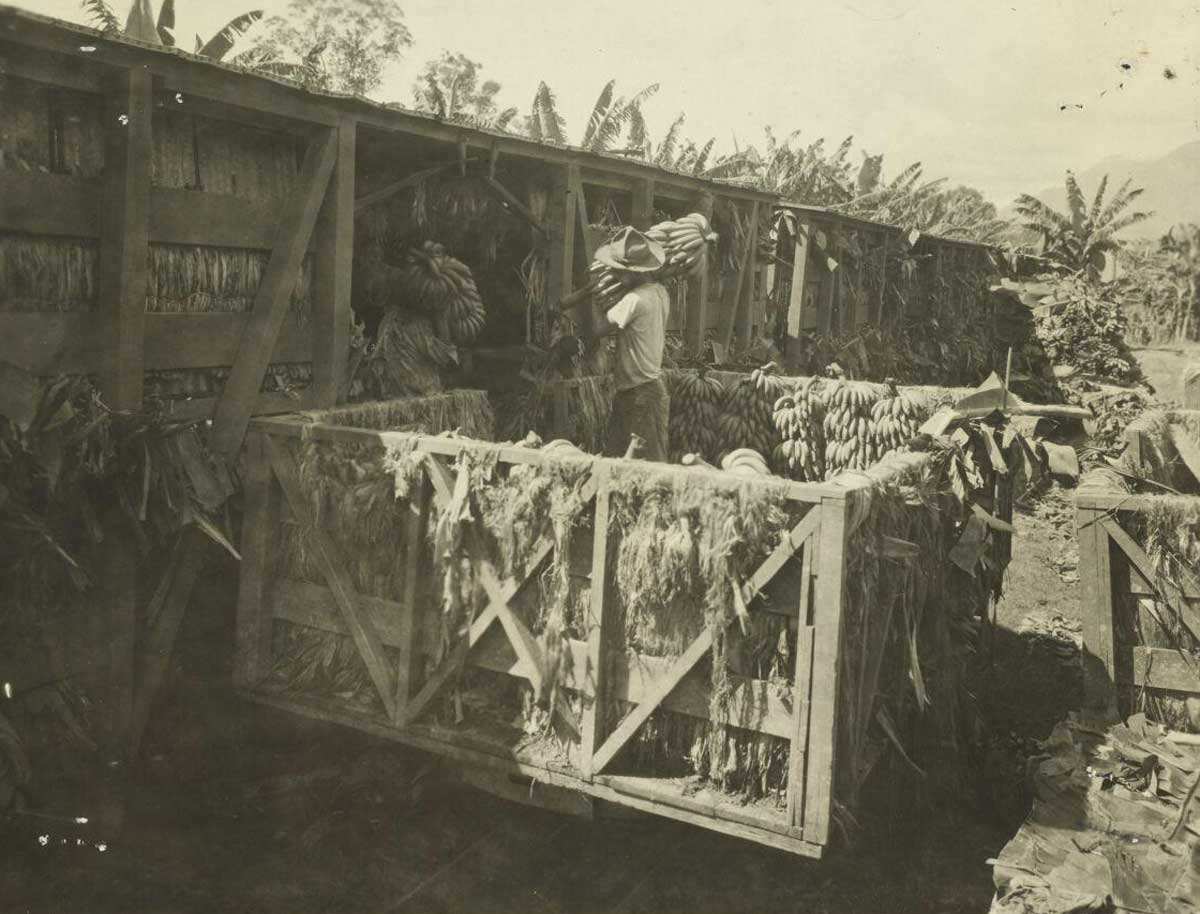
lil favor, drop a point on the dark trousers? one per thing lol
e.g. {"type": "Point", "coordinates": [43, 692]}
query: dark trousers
{"type": "Point", "coordinates": [642, 411]}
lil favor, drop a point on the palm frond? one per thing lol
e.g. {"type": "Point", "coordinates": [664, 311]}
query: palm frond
{"type": "Point", "coordinates": [701, 162]}
{"type": "Point", "coordinates": [102, 14]}
{"type": "Point", "coordinates": [504, 118]}
{"type": "Point", "coordinates": [599, 115]}
{"type": "Point", "coordinates": [666, 149]}
{"type": "Point", "coordinates": [1098, 202]}
{"type": "Point", "coordinates": [1075, 202]}
{"type": "Point", "coordinates": [166, 23]}
{"type": "Point", "coordinates": [222, 43]}
{"type": "Point", "coordinates": [638, 134]}
{"type": "Point", "coordinates": [545, 122]}
{"type": "Point", "coordinates": [1040, 217]}
{"type": "Point", "coordinates": [1123, 222]}
{"type": "Point", "coordinates": [1120, 201]}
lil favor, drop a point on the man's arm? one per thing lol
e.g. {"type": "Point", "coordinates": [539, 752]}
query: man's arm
{"type": "Point", "coordinates": [616, 318]}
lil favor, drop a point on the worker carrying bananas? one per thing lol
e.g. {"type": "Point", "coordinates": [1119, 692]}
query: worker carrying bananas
{"type": "Point", "coordinates": [641, 405]}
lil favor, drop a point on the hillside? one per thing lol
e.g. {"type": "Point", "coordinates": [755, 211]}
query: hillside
{"type": "Point", "coordinates": [1172, 187]}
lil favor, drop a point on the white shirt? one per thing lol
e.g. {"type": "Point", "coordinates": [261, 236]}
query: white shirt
{"type": "Point", "coordinates": [642, 316]}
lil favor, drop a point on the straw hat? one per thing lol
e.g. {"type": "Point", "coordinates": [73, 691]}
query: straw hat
{"type": "Point", "coordinates": [632, 252]}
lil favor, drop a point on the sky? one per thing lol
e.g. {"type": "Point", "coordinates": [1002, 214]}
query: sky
{"type": "Point", "coordinates": [1004, 96]}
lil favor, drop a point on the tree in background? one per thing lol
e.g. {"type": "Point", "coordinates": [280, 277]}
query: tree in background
{"type": "Point", "coordinates": [340, 45]}
{"type": "Point", "coordinates": [449, 88]}
{"type": "Point", "coordinates": [1079, 239]}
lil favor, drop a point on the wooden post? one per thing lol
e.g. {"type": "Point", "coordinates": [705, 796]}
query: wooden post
{"type": "Point", "coordinates": [409, 620]}
{"type": "Point", "coordinates": [1191, 386]}
{"type": "Point", "coordinates": [802, 688]}
{"type": "Point", "coordinates": [696, 320]}
{"type": "Point", "coordinates": [123, 279]}
{"type": "Point", "coordinates": [599, 622]}
{"type": "Point", "coordinates": [236, 404]}
{"type": "Point", "coordinates": [1095, 576]}
{"type": "Point", "coordinates": [826, 667]}
{"type": "Point", "coordinates": [560, 217]}
{"type": "Point", "coordinates": [881, 294]}
{"type": "Point", "coordinates": [260, 535]}
{"type": "Point", "coordinates": [643, 204]}
{"type": "Point", "coordinates": [331, 314]}
{"type": "Point", "coordinates": [730, 317]}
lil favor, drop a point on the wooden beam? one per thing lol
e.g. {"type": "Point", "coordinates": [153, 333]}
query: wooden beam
{"type": "Point", "coordinates": [696, 321]}
{"type": "Point", "coordinates": [744, 323]}
{"type": "Point", "coordinates": [1176, 594]}
{"type": "Point", "coordinates": [560, 218]}
{"type": "Point", "coordinates": [331, 313]}
{"type": "Point", "coordinates": [45, 342]}
{"type": "Point", "coordinates": [414, 541]}
{"type": "Point", "coordinates": [332, 563]}
{"type": "Point", "coordinates": [260, 531]}
{"type": "Point", "coordinates": [1164, 668]}
{"type": "Point", "coordinates": [1096, 603]}
{"type": "Point", "coordinates": [70, 207]}
{"type": "Point", "coordinates": [730, 315]}
{"type": "Point", "coordinates": [583, 241]}
{"type": "Point", "coordinates": [124, 242]}
{"type": "Point", "coordinates": [513, 204]}
{"type": "Point", "coordinates": [829, 604]}
{"type": "Point", "coordinates": [801, 689]}
{"type": "Point", "coordinates": [643, 204]}
{"type": "Point", "coordinates": [366, 201]}
{"type": "Point", "coordinates": [795, 314]}
{"type": "Point", "coordinates": [600, 620]}
{"type": "Point", "coordinates": [271, 302]}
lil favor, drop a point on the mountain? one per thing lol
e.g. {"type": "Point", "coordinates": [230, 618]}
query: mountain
{"type": "Point", "coordinates": [1172, 188]}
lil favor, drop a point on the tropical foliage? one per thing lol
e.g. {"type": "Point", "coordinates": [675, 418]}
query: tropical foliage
{"type": "Point", "coordinates": [1079, 239]}
{"type": "Point", "coordinates": [340, 45]}
{"type": "Point", "coordinates": [1159, 283]}
{"type": "Point", "coordinates": [142, 25]}
{"type": "Point", "coordinates": [450, 89]}
{"type": "Point", "coordinates": [612, 117]}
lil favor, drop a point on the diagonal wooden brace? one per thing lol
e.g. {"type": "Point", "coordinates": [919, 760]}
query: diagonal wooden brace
{"type": "Point", "coordinates": [701, 646]}
{"type": "Point", "coordinates": [329, 557]}
{"type": "Point", "coordinates": [523, 641]}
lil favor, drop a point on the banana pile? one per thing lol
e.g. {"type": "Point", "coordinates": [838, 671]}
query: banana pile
{"type": "Point", "coordinates": [443, 287]}
{"type": "Point", "coordinates": [746, 413]}
{"type": "Point", "coordinates": [695, 414]}
{"type": "Point", "coordinates": [746, 462]}
{"type": "Point", "coordinates": [799, 419]}
{"type": "Point", "coordinates": [863, 422]}
{"type": "Point", "coordinates": [684, 242]}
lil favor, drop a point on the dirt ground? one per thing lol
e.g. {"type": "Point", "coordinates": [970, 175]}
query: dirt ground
{"type": "Point", "coordinates": [241, 808]}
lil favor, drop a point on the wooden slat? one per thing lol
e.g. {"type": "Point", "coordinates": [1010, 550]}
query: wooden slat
{"type": "Point", "coordinates": [583, 242]}
{"type": "Point", "coordinates": [696, 321]}
{"type": "Point", "coordinates": [51, 342]}
{"type": "Point", "coordinates": [801, 707]}
{"type": "Point", "coordinates": [260, 525]}
{"type": "Point", "coordinates": [826, 666]}
{"type": "Point", "coordinates": [1176, 593]}
{"type": "Point", "coordinates": [332, 563]}
{"type": "Point", "coordinates": [204, 407]}
{"type": "Point", "coordinates": [731, 310]}
{"type": "Point", "coordinates": [1163, 668]}
{"type": "Point", "coordinates": [445, 745]}
{"type": "Point", "coordinates": [388, 191]}
{"type": "Point", "coordinates": [560, 219]}
{"type": "Point", "coordinates": [450, 665]}
{"type": "Point", "coordinates": [744, 318]}
{"type": "Point", "coordinates": [599, 623]}
{"type": "Point", "coordinates": [271, 302]}
{"type": "Point", "coordinates": [754, 704]}
{"type": "Point", "coordinates": [71, 207]}
{"type": "Point", "coordinates": [331, 313]}
{"type": "Point", "coordinates": [699, 647]}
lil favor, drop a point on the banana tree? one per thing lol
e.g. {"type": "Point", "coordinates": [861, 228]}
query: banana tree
{"type": "Point", "coordinates": [142, 25]}
{"type": "Point", "coordinates": [1079, 239]}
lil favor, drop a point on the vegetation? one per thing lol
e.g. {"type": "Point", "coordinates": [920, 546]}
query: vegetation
{"type": "Point", "coordinates": [1159, 284]}
{"type": "Point", "coordinates": [1079, 239]}
{"type": "Point", "coordinates": [449, 88]}
{"type": "Point", "coordinates": [142, 25]}
{"type": "Point", "coordinates": [340, 45]}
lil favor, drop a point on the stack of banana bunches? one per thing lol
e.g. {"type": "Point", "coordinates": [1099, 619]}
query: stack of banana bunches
{"type": "Point", "coordinates": [685, 242]}
{"type": "Point", "coordinates": [445, 290]}
{"type": "Point", "coordinates": [697, 402]}
{"type": "Point", "coordinates": [830, 426]}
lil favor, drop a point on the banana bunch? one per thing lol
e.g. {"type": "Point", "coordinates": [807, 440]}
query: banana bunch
{"type": "Point", "coordinates": [443, 288]}
{"type": "Point", "coordinates": [609, 289]}
{"type": "Point", "coordinates": [746, 413]}
{"type": "Point", "coordinates": [799, 419]}
{"type": "Point", "coordinates": [745, 461]}
{"type": "Point", "coordinates": [896, 421]}
{"type": "Point", "coordinates": [863, 422]}
{"type": "Point", "coordinates": [695, 415]}
{"type": "Point", "coordinates": [685, 241]}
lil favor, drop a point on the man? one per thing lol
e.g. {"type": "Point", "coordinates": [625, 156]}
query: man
{"type": "Point", "coordinates": [639, 321]}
